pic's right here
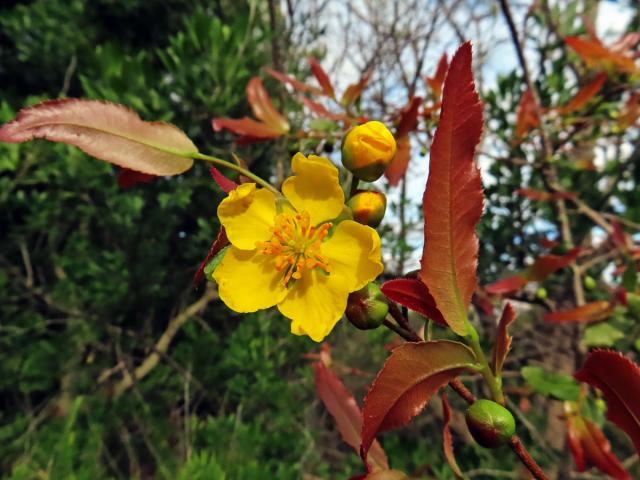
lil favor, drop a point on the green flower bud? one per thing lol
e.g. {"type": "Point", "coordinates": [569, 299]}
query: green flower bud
{"type": "Point", "coordinates": [368, 207]}
{"type": "Point", "coordinates": [490, 424]}
{"type": "Point", "coordinates": [367, 150]}
{"type": "Point", "coordinates": [367, 308]}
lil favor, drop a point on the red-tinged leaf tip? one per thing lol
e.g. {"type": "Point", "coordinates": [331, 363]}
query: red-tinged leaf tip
{"type": "Point", "coordinates": [398, 166]}
{"type": "Point", "coordinates": [413, 294]}
{"type": "Point", "coordinates": [353, 91]}
{"type": "Point", "coordinates": [527, 117]}
{"type": "Point", "coordinates": [263, 108]}
{"type": "Point", "coordinates": [322, 77]}
{"type": "Point", "coordinates": [247, 127]}
{"type": "Point", "coordinates": [408, 117]}
{"type": "Point", "coordinates": [503, 339]}
{"type": "Point", "coordinates": [223, 182]}
{"type": "Point", "coordinates": [321, 111]}
{"type": "Point", "coordinates": [447, 440]}
{"type": "Point", "coordinates": [619, 380]}
{"type": "Point", "coordinates": [128, 178]}
{"type": "Point", "coordinates": [549, 264]}
{"type": "Point", "coordinates": [543, 196]}
{"type": "Point", "coordinates": [107, 131]}
{"type": "Point", "coordinates": [453, 198]}
{"type": "Point", "coordinates": [583, 96]}
{"type": "Point", "coordinates": [346, 413]}
{"type": "Point", "coordinates": [435, 82]}
{"type": "Point", "coordinates": [589, 446]}
{"type": "Point", "coordinates": [292, 82]}
{"type": "Point", "coordinates": [619, 238]}
{"type": "Point", "coordinates": [218, 244]}
{"type": "Point", "coordinates": [596, 55]}
{"type": "Point", "coordinates": [506, 285]}
{"type": "Point", "coordinates": [591, 312]}
{"type": "Point", "coordinates": [409, 378]}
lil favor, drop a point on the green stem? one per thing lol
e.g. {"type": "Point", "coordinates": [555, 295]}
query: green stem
{"type": "Point", "coordinates": [234, 167]}
{"type": "Point", "coordinates": [495, 385]}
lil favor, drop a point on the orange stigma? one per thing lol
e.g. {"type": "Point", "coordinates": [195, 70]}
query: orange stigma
{"type": "Point", "coordinates": [296, 245]}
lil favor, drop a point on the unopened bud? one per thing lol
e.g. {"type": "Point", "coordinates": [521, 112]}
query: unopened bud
{"type": "Point", "coordinates": [368, 207]}
{"type": "Point", "coordinates": [490, 424]}
{"type": "Point", "coordinates": [367, 307]}
{"type": "Point", "coordinates": [367, 150]}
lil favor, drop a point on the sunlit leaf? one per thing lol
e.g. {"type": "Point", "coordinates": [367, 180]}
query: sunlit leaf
{"type": "Point", "coordinates": [436, 82]}
{"type": "Point", "coordinates": [596, 55]}
{"type": "Point", "coordinates": [246, 126]}
{"type": "Point", "coordinates": [590, 312]}
{"type": "Point", "coordinates": [583, 96]}
{"type": "Point", "coordinates": [353, 91]}
{"type": "Point", "coordinates": [453, 199]}
{"type": "Point", "coordinates": [321, 111]}
{"type": "Point", "coordinates": [413, 294]}
{"type": "Point", "coordinates": [601, 335]}
{"type": "Point", "coordinates": [553, 384]}
{"type": "Point", "coordinates": [263, 108]}
{"type": "Point", "coordinates": [107, 131]}
{"type": "Point", "coordinates": [322, 77]}
{"type": "Point", "coordinates": [398, 166]}
{"type": "Point", "coordinates": [527, 117]}
{"type": "Point", "coordinates": [408, 117]}
{"type": "Point", "coordinates": [293, 82]}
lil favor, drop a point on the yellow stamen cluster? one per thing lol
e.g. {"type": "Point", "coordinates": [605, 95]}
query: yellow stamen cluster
{"type": "Point", "coordinates": [296, 245]}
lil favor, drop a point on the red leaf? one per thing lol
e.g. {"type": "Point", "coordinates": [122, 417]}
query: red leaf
{"type": "Point", "coordinates": [527, 115]}
{"type": "Point", "coordinates": [447, 441]}
{"type": "Point", "coordinates": [408, 117]}
{"type": "Point", "coordinates": [246, 126]}
{"type": "Point", "coordinates": [436, 82]}
{"type": "Point", "coordinates": [453, 200]}
{"type": "Point", "coordinates": [398, 166]}
{"type": "Point", "coordinates": [293, 82]}
{"type": "Point", "coordinates": [619, 380]}
{"type": "Point", "coordinates": [413, 294]}
{"type": "Point", "coordinates": [619, 238]}
{"type": "Point", "coordinates": [353, 91]}
{"type": "Point", "coordinates": [223, 182]}
{"type": "Point", "coordinates": [541, 195]}
{"type": "Point", "coordinates": [127, 178]}
{"type": "Point", "coordinates": [596, 55]}
{"type": "Point", "coordinates": [218, 244]}
{"type": "Point", "coordinates": [503, 339]}
{"type": "Point", "coordinates": [506, 285]}
{"type": "Point", "coordinates": [630, 112]}
{"type": "Point", "coordinates": [345, 411]}
{"type": "Point", "coordinates": [382, 475]}
{"type": "Point", "coordinates": [107, 131]}
{"type": "Point", "coordinates": [589, 446]}
{"type": "Point", "coordinates": [410, 377]}
{"type": "Point", "coordinates": [321, 111]}
{"type": "Point", "coordinates": [322, 77]}
{"type": "Point", "coordinates": [591, 312]}
{"type": "Point", "coordinates": [263, 108]}
{"type": "Point", "coordinates": [583, 96]}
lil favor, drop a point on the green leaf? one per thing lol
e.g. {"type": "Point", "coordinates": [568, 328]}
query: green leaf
{"type": "Point", "coordinates": [551, 384]}
{"type": "Point", "coordinates": [601, 335]}
{"type": "Point", "coordinates": [215, 261]}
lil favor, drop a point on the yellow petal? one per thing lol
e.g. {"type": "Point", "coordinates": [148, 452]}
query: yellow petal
{"type": "Point", "coordinates": [248, 281]}
{"type": "Point", "coordinates": [314, 304]}
{"type": "Point", "coordinates": [314, 188]}
{"type": "Point", "coordinates": [353, 251]}
{"type": "Point", "coordinates": [248, 215]}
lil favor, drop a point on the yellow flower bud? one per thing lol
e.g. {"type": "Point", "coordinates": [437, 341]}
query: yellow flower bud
{"type": "Point", "coordinates": [367, 150]}
{"type": "Point", "coordinates": [368, 207]}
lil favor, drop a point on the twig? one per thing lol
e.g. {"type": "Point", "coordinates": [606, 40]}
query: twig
{"type": "Point", "coordinates": [528, 461]}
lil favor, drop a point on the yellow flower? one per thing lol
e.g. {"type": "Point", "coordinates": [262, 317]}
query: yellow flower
{"type": "Point", "coordinates": [368, 149]}
{"type": "Point", "coordinates": [288, 253]}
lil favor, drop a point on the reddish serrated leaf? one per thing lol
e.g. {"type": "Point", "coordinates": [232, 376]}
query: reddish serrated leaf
{"type": "Point", "coordinates": [127, 178]}
{"type": "Point", "coordinates": [527, 117]}
{"type": "Point", "coordinates": [583, 96]}
{"type": "Point", "coordinates": [218, 244]}
{"type": "Point", "coordinates": [548, 264]}
{"type": "Point", "coordinates": [398, 166]}
{"type": "Point", "coordinates": [436, 82]}
{"type": "Point", "coordinates": [413, 294]}
{"type": "Point", "coordinates": [346, 413]}
{"type": "Point", "coordinates": [291, 81]}
{"type": "Point", "coordinates": [543, 196]}
{"type": "Point", "coordinates": [503, 339]}
{"type": "Point", "coordinates": [410, 377]}
{"type": "Point", "coordinates": [263, 108]}
{"type": "Point", "coordinates": [322, 77]}
{"type": "Point", "coordinates": [223, 182]}
{"type": "Point", "coordinates": [353, 91]}
{"type": "Point", "coordinates": [506, 285]}
{"type": "Point", "coordinates": [619, 380]}
{"type": "Point", "coordinates": [589, 446]}
{"type": "Point", "coordinates": [107, 131]}
{"type": "Point", "coordinates": [247, 127]}
{"type": "Point", "coordinates": [408, 117]}
{"type": "Point", "coordinates": [447, 440]}
{"type": "Point", "coordinates": [453, 199]}
{"type": "Point", "coordinates": [321, 111]}
{"type": "Point", "coordinates": [591, 312]}
{"type": "Point", "coordinates": [596, 55]}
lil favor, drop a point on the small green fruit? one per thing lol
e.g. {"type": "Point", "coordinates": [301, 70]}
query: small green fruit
{"type": "Point", "coordinates": [589, 283]}
{"type": "Point", "coordinates": [541, 293]}
{"type": "Point", "coordinates": [490, 424]}
{"type": "Point", "coordinates": [367, 308]}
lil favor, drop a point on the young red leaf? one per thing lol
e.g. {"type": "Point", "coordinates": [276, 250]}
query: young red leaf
{"type": "Point", "coordinates": [345, 411]}
{"type": "Point", "coordinates": [527, 115]}
{"type": "Point", "coordinates": [589, 446]}
{"type": "Point", "coordinates": [630, 112]}
{"type": "Point", "coordinates": [322, 77]}
{"type": "Point", "coordinates": [506, 285]}
{"type": "Point", "coordinates": [619, 238]}
{"type": "Point", "coordinates": [453, 199]}
{"type": "Point", "coordinates": [291, 81]}
{"type": "Point", "coordinates": [107, 131]}
{"type": "Point", "coordinates": [353, 91]}
{"type": "Point", "coordinates": [413, 294]}
{"type": "Point", "coordinates": [398, 166]}
{"type": "Point", "coordinates": [543, 196]}
{"type": "Point", "coordinates": [436, 82]}
{"type": "Point", "coordinates": [127, 178]}
{"type": "Point", "coordinates": [247, 127]}
{"type": "Point", "coordinates": [596, 55]}
{"type": "Point", "coordinates": [583, 96]}
{"type": "Point", "coordinates": [447, 440]}
{"type": "Point", "coordinates": [591, 312]}
{"type": "Point", "coordinates": [410, 377]}
{"type": "Point", "coordinates": [503, 339]}
{"type": "Point", "coordinates": [619, 380]}
{"type": "Point", "coordinates": [408, 117]}
{"type": "Point", "coordinates": [223, 182]}
{"type": "Point", "coordinates": [263, 108]}
{"type": "Point", "coordinates": [218, 244]}
{"type": "Point", "coordinates": [321, 111]}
